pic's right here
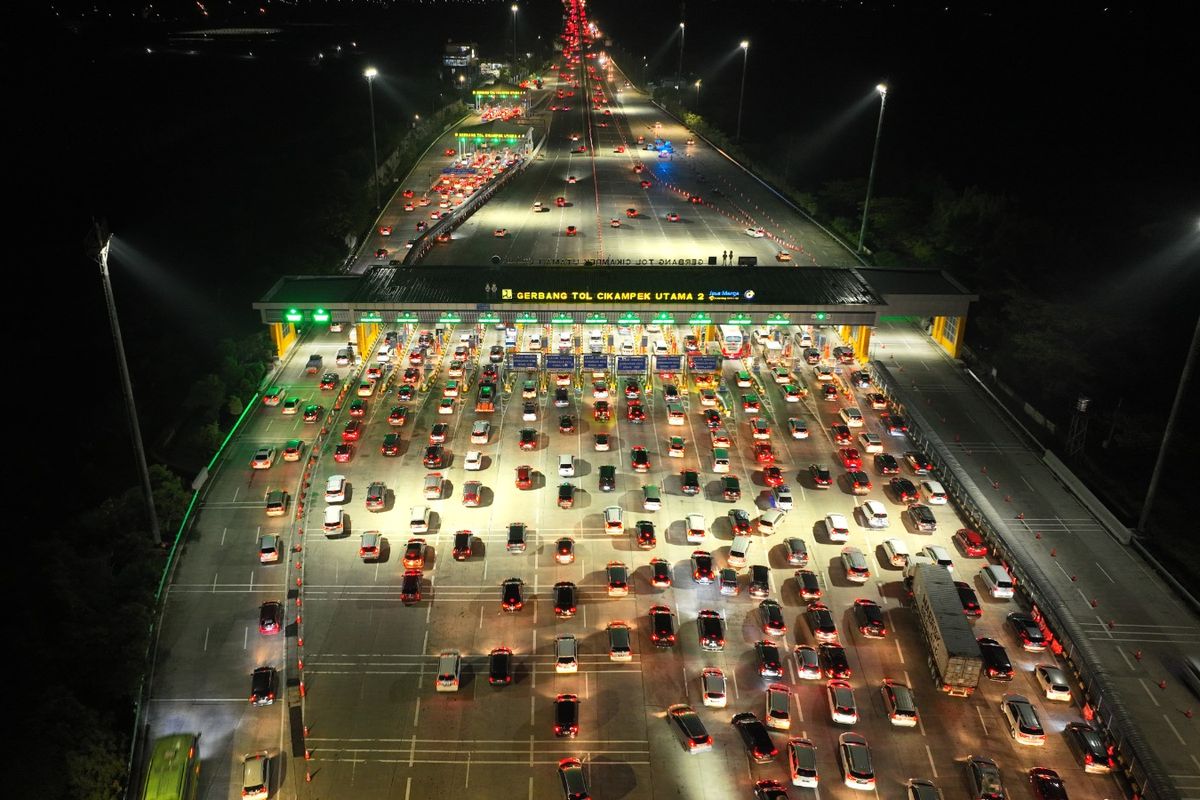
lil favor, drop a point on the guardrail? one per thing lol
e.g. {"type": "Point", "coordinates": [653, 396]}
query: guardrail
{"type": "Point", "coordinates": [1147, 776]}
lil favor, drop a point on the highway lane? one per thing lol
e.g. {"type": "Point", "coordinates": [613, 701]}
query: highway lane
{"type": "Point", "coordinates": [370, 660]}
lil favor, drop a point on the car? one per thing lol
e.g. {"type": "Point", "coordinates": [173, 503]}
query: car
{"type": "Point", "coordinates": [1053, 681]}
{"type": "Point", "coordinates": [617, 574]}
{"type": "Point", "coordinates": [358, 407]}
{"type": "Point", "coordinates": [480, 431]}
{"type": "Point", "coordinates": [573, 779]}
{"type": "Point", "coordinates": [1028, 633]}
{"type": "Point", "coordinates": [770, 615]}
{"type": "Point", "coordinates": [510, 594]}
{"type": "Point", "coordinates": [708, 397]}
{"type": "Point", "coordinates": [710, 628]}
{"type": "Point", "coordinates": [1023, 723]}
{"type": "Point", "coordinates": [841, 433]}
{"type": "Point", "coordinates": [411, 375]}
{"type": "Point", "coordinates": [713, 687]}
{"type": "Point", "coordinates": [869, 617]}
{"type": "Point", "coordinates": [645, 535]}
{"type": "Point", "coordinates": [996, 664]}
{"type": "Point", "coordinates": [895, 425]}
{"type": "Point", "coordinates": [529, 412]}
{"type": "Point", "coordinates": [855, 756]}
{"type": "Point", "coordinates": [689, 482]}
{"type": "Point", "coordinates": [769, 663]}
{"type": "Point", "coordinates": [850, 458]}
{"type": "Point", "coordinates": [778, 707]}
{"type": "Point", "coordinates": [842, 707]}
{"type": "Point", "coordinates": [832, 658]}
{"type": "Point", "coordinates": [808, 662]}
{"type": "Point", "coordinates": [811, 355]}
{"type": "Point", "coordinates": [500, 666]}
{"type": "Point", "coordinates": [821, 622]}
{"type": "Point", "coordinates": [561, 202]}
{"type": "Point", "coordinates": [462, 545]}
{"type": "Point", "coordinates": [751, 403]}
{"type": "Point", "coordinates": [639, 459]}
{"type": "Point", "coordinates": [263, 686]}
{"type": "Point", "coordinates": [662, 626]}
{"type": "Point", "coordinates": [824, 372]}
{"type": "Point", "coordinates": [343, 452]}
{"type": "Point", "coordinates": [764, 453]}
{"type": "Point", "coordinates": [601, 411]}
{"type": "Point", "coordinates": [731, 488]}
{"type": "Point", "coordinates": [969, 600]}
{"type": "Point", "coordinates": [822, 477]}
{"type": "Point", "coordinates": [435, 457]}
{"type": "Point", "coordinates": [566, 424]}
{"type": "Point", "coordinates": [971, 543]}
{"type": "Point", "coordinates": [291, 405]}
{"type": "Point", "coordinates": [797, 428]}
{"type": "Point", "coordinates": [607, 480]}
{"type": "Point", "coordinates": [391, 445]}
{"type": "Point", "coordinates": [381, 253]}
{"type": "Point", "coordinates": [268, 548]}
{"type": "Point", "coordinates": [727, 582]}
{"type": "Point", "coordinates": [829, 392]}
{"type": "Point", "coordinates": [566, 715]}
{"type": "Point", "coordinates": [528, 439]}
{"type": "Point", "coordinates": [983, 777]}
{"type": "Point", "coordinates": [635, 413]}
{"type": "Point", "coordinates": [564, 599]}
{"type": "Point", "coordinates": [1046, 784]}
{"type": "Point", "coordinates": [572, 230]}
{"type": "Point", "coordinates": [270, 618]}
{"type": "Point", "coordinates": [312, 413]}
{"type": "Point", "coordinates": [398, 416]}
{"type": "Point", "coordinates": [855, 564]}
{"type": "Point", "coordinates": [1089, 746]}
{"type": "Point", "coordinates": [808, 585]}
{"type": "Point", "coordinates": [256, 776]}
{"type": "Point", "coordinates": [739, 521]}
{"type": "Point", "coordinates": [755, 233]}
{"type": "Point", "coordinates": [564, 550]}
{"type": "Point", "coordinates": [472, 494]}
{"type": "Point", "coordinates": [795, 551]}
{"type": "Point", "coordinates": [672, 217]}
{"type": "Point", "coordinates": [756, 737]}
{"type": "Point", "coordinates": [802, 762]}
{"type": "Point", "coordinates": [602, 442]}
{"type": "Point", "coordinates": [860, 483]}
{"type": "Point", "coordinates": [675, 447]}
{"type": "Point", "coordinates": [904, 490]}
{"type": "Point", "coordinates": [263, 458]}
{"type": "Point", "coordinates": [918, 463]}
{"type": "Point", "coordinates": [405, 393]}
{"type": "Point", "coordinates": [935, 493]}
{"type": "Point", "coordinates": [352, 432]}
{"type": "Point", "coordinates": [886, 464]}
{"type": "Point", "coordinates": [781, 494]}
{"type": "Point", "coordinates": [922, 518]}
{"type": "Point", "coordinates": [837, 527]}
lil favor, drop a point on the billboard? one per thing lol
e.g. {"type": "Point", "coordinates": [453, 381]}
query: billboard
{"type": "Point", "coordinates": [667, 363]}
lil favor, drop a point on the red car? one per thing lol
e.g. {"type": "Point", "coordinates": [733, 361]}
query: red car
{"type": "Point", "coordinates": [645, 184]}
{"type": "Point", "coordinates": [763, 453]}
{"type": "Point", "coordinates": [342, 453]}
{"type": "Point", "coordinates": [407, 193]}
{"type": "Point", "coordinates": [971, 542]}
{"type": "Point", "coordinates": [850, 458]}
{"type": "Point", "coordinates": [696, 199]}
{"type": "Point", "coordinates": [398, 415]}
{"type": "Point", "coordinates": [636, 413]}
{"type": "Point", "coordinates": [672, 217]}
{"type": "Point", "coordinates": [329, 380]}
{"type": "Point", "coordinates": [601, 412]}
{"type": "Point", "coordinates": [639, 459]}
{"type": "Point", "coordinates": [352, 432]}
{"type": "Point", "coordinates": [524, 477]}
{"type": "Point", "coordinates": [571, 230]}
{"type": "Point", "coordinates": [841, 434]}
{"type": "Point", "coordinates": [560, 201]}
{"type": "Point", "coordinates": [358, 408]}
{"type": "Point", "coordinates": [773, 476]}
{"type": "Point", "coordinates": [412, 375]}
{"type": "Point", "coordinates": [632, 212]}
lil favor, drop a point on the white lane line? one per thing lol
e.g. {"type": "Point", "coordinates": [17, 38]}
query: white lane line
{"type": "Point", "coordinates": [1102, 569]}
{"type": "Point", "coordinates": [467, 776]}
{"type": "Point", "coordinates": [1128, 663]}
{"type": "Point", "coordinates": [206, 633]}
{"type": "Point", "coordinates": [733, 680]}
{"type": "Point", "coordinates": [531, 747]}
{"type": "Point", "coordinates": [531, 779]}
{"type": "Point", "coordinates": [252, 581]}
{"type": "Point", "coordinates": [1171, 725]}
{"type": "Point", "coordinates": [407, 786]}
{"type": "Point", "coordinates": [214, 585]}
{"type": "Point", "coordinates": [417, 713]}
{"type": "Point", "coordinates": [412, 750]}
{"type": "Point", "coordinates": [979, 711]}
{"type": "Point", "coordinates": [932, 766]}
{"type": "Point", "coordinates": [1027, 483]}
{"type": "Point", "coordinates": [246, 637]}
{"type": "Point", "coordinates": [425, 643]}
{"type": "Point", "coordinates": [226, 530]}
{"type": "Point", "coordinates": [1149, 694]}
{"type": "Point", "coordinates": [531, 701]}
{"type": "Point", "coordinates": [899, 652]}
{"type": "Point", "coordinates": [686, 693]}
{"type": "Point", "coordinates": [481, 616]}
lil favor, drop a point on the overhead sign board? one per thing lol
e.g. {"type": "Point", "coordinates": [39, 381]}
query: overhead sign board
{"type": "Point", "coordinates": [667, 363]}
{"type": "Point", "coordinates": [597, 362]}
{"type": "Point", "coordinates": [525, 360]}
{"type": "Point", "coordinates": [703, 363]}
{"type": "Point", "coordinates": [706, 295]}
{"type": "Point", "coordinates": [631, 363]}
{"type": "Point", "coordinates": [560, 361]}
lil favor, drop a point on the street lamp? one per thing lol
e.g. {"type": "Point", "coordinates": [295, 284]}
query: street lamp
{"type": "Point", "coordinates": [514, 10]}
{"type": "Point", "coordinates": [682, 32]}
{"type": "Point", "coordinates": [745, 45]}
{"type": "Point", "coordinates": [97, 244]}
{"type": "Point", "coordinates": [697, 93]}
{"type": "Point", "coordinates": [369, 73]}
{"type": "Point", "coordinates": [882, 89]}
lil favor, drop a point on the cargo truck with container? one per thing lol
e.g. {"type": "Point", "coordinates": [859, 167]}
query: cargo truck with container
{"type": "Point", "coordinates": [954, 657]}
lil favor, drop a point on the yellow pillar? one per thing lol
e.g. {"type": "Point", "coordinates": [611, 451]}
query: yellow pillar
{"type": "Point", "coordinates": [862, 342]}
{"type": "Point", "coordinates": [283, 334]}
{"type": "Point", "coordinates": [366, 332]}
{"type": "Point", "coordinates": [845, 332]}
{"type": "Point", "coordinates": [948, 332]}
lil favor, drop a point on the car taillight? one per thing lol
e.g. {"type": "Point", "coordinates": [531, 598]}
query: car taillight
{"type": "Point", "coordinates": [1088, 759]}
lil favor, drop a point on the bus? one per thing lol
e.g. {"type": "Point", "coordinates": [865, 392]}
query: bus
{"type": "Point", "coordinates": [174, 769]}
{"type": "Point", "coordinates": [732, 341]}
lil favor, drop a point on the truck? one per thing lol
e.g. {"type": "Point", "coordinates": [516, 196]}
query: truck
{"type": "Point", "coordinates": [954, 658]}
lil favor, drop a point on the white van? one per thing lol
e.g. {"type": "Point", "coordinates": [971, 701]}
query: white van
{"type": "Point", "coordinates": [720, 460]}
{"type": "Point", "coordinates": [418, 519]}
{"type": "Point", "coordinates": [852, 417]}
{"type": "Point", "coordinates": [896, 551]}
{"type": "Point", "coordinates": [535, 342]}
{"type": "Point", "coordinates": [335, 489]}
{"type": "Point", "coordinates": [997, 580]}
{"type": "Point", "coordinates": [874, 514]}
{"type": "Point", "coordinates": [738, 551]}
{"type": "Point", "coordinates": [770, 521]}
{"type": "Point", "coordinates": [837, 527]}
{"type": "Point", "coordinates": [449, 671]}
{"type": "Point", "coordinates": [695, 528]}
{"type": "Point", "coordinates": [566, 466]}
{"type": "Point", "coordinates": [660, 347]}
{"type": "Point", "coordinates": [627, 347]}
{"type": "Point", "coordinates": [595, 341]}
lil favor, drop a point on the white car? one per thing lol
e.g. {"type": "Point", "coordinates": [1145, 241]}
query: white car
{"type": "Point", "coordinates": [529, 413]}
{"type": "Point", "coordinates": [695, 528]}
{"type": "Point", "coordinates": [334, 519]}
{"type": "Point", "coordinates": [1053, 681]}
{"type": "Point", "coordinates": [935, 493]}
{"type": "Point", "coordinates": [756, 233]}
{"type": "Point", "coordinates": [473, 461]}
{"type": "Point", "coordinates": [712, 683]}
{"type": "Point", "coordinates": [940, 556]}
{"type": "Point", "coordinates": [480, 431]}
{"type": "Point", "coordinates": [837, 527]}
{"type": "Point", "coordinates": [263, 458]}
{"type": "Point", "coordinates": [874, 514]}
{"type": "Point", "coordinates": [335, 489]}
{"type": "Point", "coordinates": [842, 707]}
{"type": "Point", "coordinates": [997, 580]}
{"type": "Point", "coordinates": [446, 406]}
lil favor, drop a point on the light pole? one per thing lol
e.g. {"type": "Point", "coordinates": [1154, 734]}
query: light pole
{"type": "Point", "coordinates": [745, 45]}
{"type": "Point", "coordinates": [882, 89]}
{"type": "Point", "coordinates": [369, 73]}
{"type": "Point", "coordinates": [97, 244]}
{"type": "Point", "coordinates": [682, 32]}
{"type": "Point", "coordinates": [514, 10]}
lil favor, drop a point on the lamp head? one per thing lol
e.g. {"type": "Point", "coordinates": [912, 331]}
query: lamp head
{"type": "Point", "coordinates": [745, 45]}
{"type": "Point", "coordinates": [370, 72]}
{"type": "Point", "coordinates": [881, 88]}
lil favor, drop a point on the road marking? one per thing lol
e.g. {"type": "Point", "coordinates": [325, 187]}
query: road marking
{"type": "Point", "coordinates": [407, 786]}
{"type": "Point", "coordinates": [226, 530]}
{"type": "Point", "coordinates": [733, 680]}
{"type": "Point", "coordinates": [412, 750]}
{"type": "Point", "coordinates": [206, 633]}
{"type": "Point", "coordinates": [425, 643]}
{"type": "Point", "coordinates": [1027, 483]}
{"type": "Point", "coordinates": [481, 616]}
{"type": "Point", "coordinates": [1171, 725]}
{"type": "Point", "coordinates": [929, 755]}
{"type": "Point", "coordinates": [1128, 663]}
{"type": "Point", "coordinates": [686, 693]}
{"type": "Point", "coordinates": [531, 782]}
{"type": "Point", "coordinates": [1102, 569]}
{"type": "Point", "coordinates": [1149, 694]}
{"type": "Point", "coordinates": [417, 713]}
{"type": "Point", "coordinates": [979, 711]}
{"type": "Point", "coordinates": [531, 745]}
{"type": "Point", "coordinates": [899, 652]}
{"type": "Point", "coordinates": [214, 583]}
{"type": "Point", "coordinates": [467, 776]}
{"type": "Point", "coordinates": [246, 637]}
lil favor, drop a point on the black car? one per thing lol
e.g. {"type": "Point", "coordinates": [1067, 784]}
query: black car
{"type": "Point", "coordinates": [808, 584]}
{"type": "Point", "coordinates": [690, 482]}
{"type": "Point", "coordinates": [564, 599]}
{"type": "Point", "coordinates": [886, 464]}
{"type": "Point", "coordinates": [561, 398]}
{"type": "Point", "coordinates": [904, 489]}
{"type": "Point", "coordinates": [510, 594]}
{"type": "Point", "coordinates": [500, 663]}
{"type": "Point", "coordinates": [608, 478]}
{"type": "Point", "coordinates": [566, 715]}
{"type": "Point", "coordinates": [869, 617]}
{"type": "Point", "coordinates": [662, 626]}
{"type": "Point", "coordinates": [769, 665]}
{"type": "Point", "coordinates": [1088, 745]}
{"type": "Point", "coordinates": [812, 355]}
{"type": "Point", "coordinates": [833, 660]}
{"type": "Point", "coordinates": [995, 660]}
{"type": "Point", "coordinates": [566, 496]}
{"type": "Point", "coordinates": [1028, 633]}
{"type": "Point", "coordinates": [756, 737]}
{"type": "Point", "coordinates": [462, 546]}
{"type": "Point", "coordinates": [968, 598]}
{"type": "Point", "coordinates": [821, 476]}
{"type": "Point", "coordinates": [496, 354]}
{"type": "Point", "coordinates": [1046, 784]}
{"type": "Point", "coordinates": [770, 614]}
{"type": "Point", "coordinates": [760, 580]}
{"type": "Point", "coordinates": [711, 629]}
{"type": "Point", "coordinates": [516, 537]}
{"type": "Point", "coordinates": [822, 623]}
{"type": "Point", "coordinates": [731, 488]}
{"type": "Point", "coordinates": [645, 534]}
{"type": "Point", "coordinates": [702, 567]}
{"type": "Point", "coordinates": [262, 686]}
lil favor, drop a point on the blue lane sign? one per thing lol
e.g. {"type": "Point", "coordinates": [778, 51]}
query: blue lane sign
{"type": "Point", "coordinates": [667, 363]}
{"type": "Point", "coordinates": [597, 362]}
{"type": "Point", "coordinates": [703, 363]}
{"type": "Point", "coordinates": [525, 360]}
{"type": "Point", "coordinates": [631, 363]}
{"type": "Point", "coordinates": [560, 361]}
